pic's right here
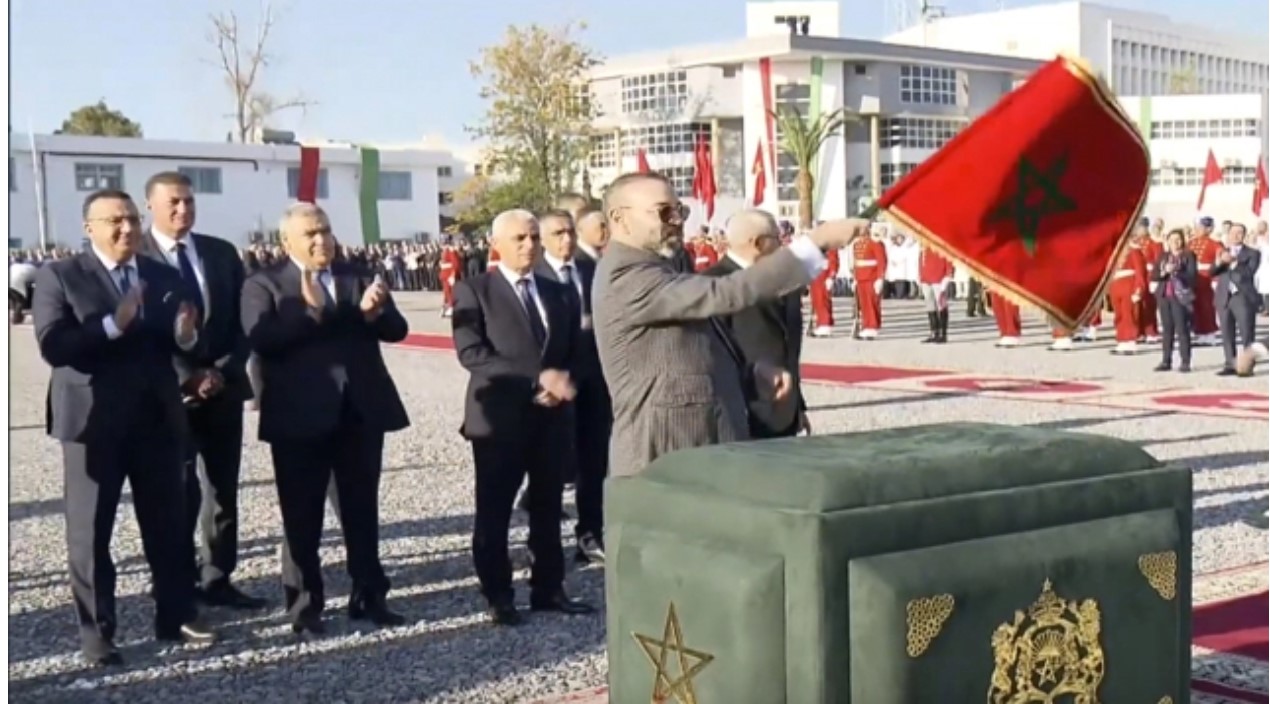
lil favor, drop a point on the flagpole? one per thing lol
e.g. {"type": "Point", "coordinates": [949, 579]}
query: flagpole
{"type": "Point", "coordinates": [39, 186]}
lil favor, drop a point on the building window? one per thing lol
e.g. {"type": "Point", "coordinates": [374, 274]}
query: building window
{"type": "Point", "coordinates": [681, 178]}
{"type": "Point", "coordinates": [396, 185]}
{"type": "Point", "coordinates": [930, 85]}
{"type": "Point", "coordinates": [444, 172]}
{"type": "Point", "coordinates": [680, 138]}
{"type": "Point", "coordinates": [919, 132]}
{"type": "Point", "coordinates": [95, 177]}
{"type": "Point", "coordinates": [293, 183]}
{"type": "Point", "coordinates": [603, 153]}
{"type": "Point", "coordinates": [1194, 176]}
{"type": "Point", "coordinates": [444, 198]}
{"type": "Point", "coordinates": [1204, 129]}
{"type": "Point", "coordinates": [203, 179]}
{"type": "Point", "coordinates": [894, 172]}
{"type": "Point", "coordinates": [665, 92]}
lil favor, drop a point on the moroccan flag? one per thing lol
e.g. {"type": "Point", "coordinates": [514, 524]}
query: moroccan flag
{"type": "Point", "coordinates": [368, 195]}
{"type": "Point", "coordinates": [1212, 174]}
{"type": "Point", "coordinates": [760, 175]}
{"type": "Point", "coordinates": [703, 187]}
{"type": "Point", "coordinates": [641, 162]}
{"type": "Point", "coordinates": [1260, 187]}
{"type": "Point", "coordinates": [310, 161]}
{"type": "Point", "coordinates": [1039, 196]}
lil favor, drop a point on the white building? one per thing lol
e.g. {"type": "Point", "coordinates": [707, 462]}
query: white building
{"type": "Point", "coordinates": [910, 100]}
{"type": "Point", "coordinates": [1139, 53]}
{"type": "Point", "coordinates": [1182, 130]}
{"type": "Point", "coordinates": [240, 188]}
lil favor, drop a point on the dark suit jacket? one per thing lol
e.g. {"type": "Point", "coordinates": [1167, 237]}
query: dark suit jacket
{"type": "Point", "coordinates": [496, 346]}
{"type": "Point", "coordinates": [99, 386]}
{"type": "Point", "coordinates": [1242, 275]}
{"type": "Point", "coordinates": [315, 368]}
{"type": "Point", "coordinates": [222, 344]}
{"type": "Point", "coordinates": [1183, 277]}
{"type": "Point", "coordinates": [768, 332]}
{"type": "Point", "coordinates": [586, 365]}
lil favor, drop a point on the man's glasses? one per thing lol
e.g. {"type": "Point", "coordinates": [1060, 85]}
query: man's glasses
{"type": "Point", "coordinates": [668, 212]}
{"type": "Point", "coordinates": [118, 220]}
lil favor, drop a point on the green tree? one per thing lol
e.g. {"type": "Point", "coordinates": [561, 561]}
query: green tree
{"type": "Point", "coordinates": [802, 139]}
{"type": "Point", "coordinates": [538, 118]}
{"type": "Point", "coordinates": [99, 120]}
{"type": "Point", "coordinates": [480, 199]}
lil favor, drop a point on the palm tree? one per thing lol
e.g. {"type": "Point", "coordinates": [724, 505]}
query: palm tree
{"type": "Point", "coordinates": [802, 139]}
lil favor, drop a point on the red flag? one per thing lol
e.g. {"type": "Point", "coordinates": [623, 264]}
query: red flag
{"type": "Point", "coordinates": [703, 187]}
{"type": "Point", "coordinates": [759, 169]}
{"type": "Point", "coordinates": [1260, 187]}
{"type": "Point", "coordinates": [769, 122]}
{"type": "Point", "coordinates": [641, 162]}
{"type": "Point", "coordinates": [1212, 174]}
{"type": "Point", "coordinates": [1039, 196]}
{"type": "Point", "coordinates": [310, 160]}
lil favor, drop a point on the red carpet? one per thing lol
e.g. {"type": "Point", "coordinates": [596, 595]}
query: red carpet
{"type": "Point", "coordinates": [1230, 652]}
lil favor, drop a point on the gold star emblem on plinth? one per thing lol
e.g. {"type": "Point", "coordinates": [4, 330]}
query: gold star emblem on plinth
{"type": "Point", "coordinates": [673, 681]}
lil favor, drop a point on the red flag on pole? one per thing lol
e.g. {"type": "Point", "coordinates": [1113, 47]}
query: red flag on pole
{"type": "Point", "coordinates": [1212, 174]}
{"type": "Point", "coordinates": [1060, 174]}
{"type": "Point", "coordinates": [310, 162]}
{"type": "Point", "coordinates": [641, 162]}
{"type": "Point", "coordinates": [759, 169]}
{"type": "Point", "coordinates": [1260, 187]}
{"type": "Point", "coordinates": [703, 187]}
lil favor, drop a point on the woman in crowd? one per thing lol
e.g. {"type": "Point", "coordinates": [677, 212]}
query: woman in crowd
{"type": "Point", "coordinates": [1176, 272]}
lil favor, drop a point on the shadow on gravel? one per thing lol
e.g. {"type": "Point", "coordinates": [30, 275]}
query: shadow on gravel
{"type": "Point", "coordinates": [1258, 486]}
{"type": "Point", "coordinates": [1221, 460]}
{"type": "Point", "coordinates": [1228, 514]}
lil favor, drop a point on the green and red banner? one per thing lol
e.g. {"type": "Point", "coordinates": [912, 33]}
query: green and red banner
{"type": "Point", "coordinates": [1039, 196]}
{"type": "Point", "coordinates": [310, 167]}
{"type": "Point", "coordinates": [368, 195]}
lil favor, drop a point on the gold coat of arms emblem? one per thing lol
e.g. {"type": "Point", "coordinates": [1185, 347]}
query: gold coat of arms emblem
{"type": "Point", "coordinates": [1049, 654]}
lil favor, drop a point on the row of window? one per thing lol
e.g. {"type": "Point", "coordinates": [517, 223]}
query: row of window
{"type": "Point", "coordinates": [1194, 176]}
{"type": "Point", "coordinates": [1193, 129]}
{"type": "Point", "coordinates": [928, 85]}
{"type": "Point", "coordinates": [1204, 65]}
{"type": "Point", "coordinates": [665, 92]}
{"type": "Point", "coordinates": [671, 138]}
{"type": "Point", "coordinates": [919, 132]}
{"type": "Point", "coordinates": [91, 176]}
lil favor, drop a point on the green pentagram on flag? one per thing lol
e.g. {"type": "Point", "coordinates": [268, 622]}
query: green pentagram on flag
{"type": "Point", "coordinates": [1025, 209]}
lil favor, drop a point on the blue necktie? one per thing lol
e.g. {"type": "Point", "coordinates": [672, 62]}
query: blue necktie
{"type": "Point", "coordinates": [531, 309]}
{"type": "Point", "coordinates": [125, 279]}
{"type": "Point", "coordinates": [187, 273]}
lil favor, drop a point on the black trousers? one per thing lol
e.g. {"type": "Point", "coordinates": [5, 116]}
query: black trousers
{"type": "Point", "coordinates": [1238, 316]}
{"type": "Point", "coordinates": [150, 460]}
{"type": "Point", "coordinates": [974, 299]}
{"type": "Point", "coordinates": [541, 451]}
{"type": "Point", "coordinates": [213, 461]}
{"type": "Point", "coordinates": [351, 456]}
{"type": "Point", "coordinates": [594, 412]}
{"type": "Point", "coordinates": [1175, 325]}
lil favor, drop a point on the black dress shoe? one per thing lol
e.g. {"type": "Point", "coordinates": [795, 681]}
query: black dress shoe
{"type": "Point", "coordinates": [1185, 368]}
{"type": "Point", "coordinates": [308, 624]}
{"type": "Point", "coordinates": [375, 611]}
{"type": "Point", "coordinates": [504, 613]}
{"type": "Point", "coordinates": [1163, 367]}
{"type": "Point", "coordinates": [590, 549]}
{"type": "Point", "coordinates": [231, 596]}
{"type": "Point", "coordinates": [560, 602]}
{"type": "Point", "coordinates": [108, 656]}
{"type": "Point", "coordinates": [194, 632]}
{"type": "Point", "coordinates": [1226, 371]}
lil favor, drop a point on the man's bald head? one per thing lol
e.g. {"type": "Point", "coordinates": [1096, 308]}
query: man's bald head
{"type": "Point", "coordinates": [643, 211]}
{"type": "Point", "coordinates": [753, 234]}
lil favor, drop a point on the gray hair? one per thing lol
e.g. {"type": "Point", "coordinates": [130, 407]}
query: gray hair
{"type": "Point", "coordinates": [508, 219]}
{"type": "Point", "coordinates": [299, 210]}
{"type": "Point", "coordinates": [748, 225]}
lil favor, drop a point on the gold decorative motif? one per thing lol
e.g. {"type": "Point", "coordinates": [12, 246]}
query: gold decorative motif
{"type": "Point", "coordinates": [1048, 654]}
{"type": "Point", "coordinates": [1160, 569]}
{"type": "Point", "coordinates": [926, 616]}
{"type": "Point", "coordinates": [1165, 700]}
{"type": "Point", "coordinates": [690, 662]}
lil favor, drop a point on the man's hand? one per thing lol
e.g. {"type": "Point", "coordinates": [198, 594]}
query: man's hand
{"type": "Point", "coordinates": [313, 292]}
{"type": "Point", "coordinates": [186, 323]}
{"type": "Point", "coordinates": [556, 383]}
{"type": "Point", "coordinates": [203, 384]}
{"type": "Point", "coordinates": [129, 306]}
{"type": "Point", "coordinates": [877, 287]}
{"type": "Point", "coordinates": [772, 382]}
{"type": "Point", "coordinates": [836, 234]}
{"type": "Point", "coordinates": [374, 298]}
{"type": "Point", "coordinates": [1226, 257]}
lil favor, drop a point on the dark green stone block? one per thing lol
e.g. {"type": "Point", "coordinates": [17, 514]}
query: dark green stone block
{"type": "Point", "coordinates": [797, 569]}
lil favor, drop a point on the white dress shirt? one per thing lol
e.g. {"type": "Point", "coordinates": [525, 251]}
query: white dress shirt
{"type": "Point", "coordinates": [116, 271]}
{"type": "Point", "coordinates": [513, 279]}
{"type": "Point", "coordinates": [813, 260]}
{"type": "Point", "coordinates": [557, 265]}
{"type": "Point", "coordinates": [739, 261]}
{"type": "Point", "coordinates": [167, 245]}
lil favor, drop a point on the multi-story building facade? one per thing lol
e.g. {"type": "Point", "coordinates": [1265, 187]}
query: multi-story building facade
{"type": "Point", "coordinates": [1138, 53]}
{"type": "Point", "coordinates": [906, 102]}
{"type": "Point", "coordinates": [240, 188]}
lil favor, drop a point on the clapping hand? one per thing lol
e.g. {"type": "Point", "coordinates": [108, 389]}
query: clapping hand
{"type": "Point", "coordinates": [374, 298]}
{"type": "Point", "coordinates": [129, 306]}
{"type": "Point", "coordinates": [773, 383]}
{"type": "Point", "coordinates": [186, 323]}
{"type": "Point", "coordinates": [555, 388]}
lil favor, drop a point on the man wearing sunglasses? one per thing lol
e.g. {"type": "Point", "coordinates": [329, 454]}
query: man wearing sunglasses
{"type": "Point", "coordinates": [675, 381]}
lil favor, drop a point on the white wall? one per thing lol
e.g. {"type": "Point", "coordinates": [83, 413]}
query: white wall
{"type": "Point", "coordinates": [253, 186]}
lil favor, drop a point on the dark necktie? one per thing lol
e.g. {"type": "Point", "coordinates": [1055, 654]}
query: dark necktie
{"type": "Point", "coordinates": [566, 274]}
{"type": "Point", "coordinates": [125, 279]}
{"type": "Point", "coordinates": [191, 278]}
{"type": "Point", "coordinates": [531, 309]}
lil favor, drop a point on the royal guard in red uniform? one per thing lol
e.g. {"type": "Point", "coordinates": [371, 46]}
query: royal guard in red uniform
{"type": "Point", "coordinates": [935, 275]}
{"type": "Point", "coordinates": [492, 261]}
{"type": "Point", "coordinates": [821, 298]}
{"type": "Point", "coordinates": [1127, 290]}
{"type": "Point", "coordinates": [1062, 337]}
{"type": "Point", "coordinates": [1206, 250]}
{"type": "Point", "coordinates": [704, 255]}
{"type": "Point", "coordinates": [451, 265]}
{"type": "Point", "coordinates": [868, 261]}
{"type": "Point", "coordinates": [1009, 321]}
{"type": "Point", "coordinates": [1149, 327]}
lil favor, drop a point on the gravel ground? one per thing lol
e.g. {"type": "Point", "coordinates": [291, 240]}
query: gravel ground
{"type": "Point", "coordinates": [449, 654]}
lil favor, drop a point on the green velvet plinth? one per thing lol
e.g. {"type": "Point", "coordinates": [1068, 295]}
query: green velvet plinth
{"type": "Point", "coordinates": [880, 568]}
